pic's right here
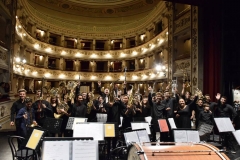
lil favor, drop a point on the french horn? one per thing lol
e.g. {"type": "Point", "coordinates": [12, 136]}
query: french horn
{"type": "Point", "coordinates": [61, 106]}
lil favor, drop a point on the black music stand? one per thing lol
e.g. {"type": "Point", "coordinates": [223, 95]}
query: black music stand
{"type": "Point", "coordinates": [52, 125]}
{"type": "Point", "coordinates": [204, 131]}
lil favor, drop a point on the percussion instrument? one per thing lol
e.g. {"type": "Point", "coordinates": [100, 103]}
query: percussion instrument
{"type": "Point", "coordinates": [174, 151]}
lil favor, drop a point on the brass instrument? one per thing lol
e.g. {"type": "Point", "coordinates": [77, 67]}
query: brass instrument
{"type": "Point", "coordinates": [61, 106]}
{"type": "Point", "coordinates": [199, 93]}
{"type": "Point", "coordinates": [71, 89]}
{"type": "Point", "coordinates": [90, 103]}
{"type": "Point", "coordinates": [131, 96]}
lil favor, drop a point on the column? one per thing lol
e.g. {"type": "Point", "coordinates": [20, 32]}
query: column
{"type": "Point", "coordinates": [46, 61]}
{"type": "Point", "coordinates": [93, 87]}
{"type": "Point", "coordinates": [16, 48]}
{"type": "Point", "coordinates": [124, 64]}
{"type": "Point", "coordinates": [93, 65]}
{"type": "Point", "coordinates": [33, 30]}
{"type": "Point", "coordinates": [146, 62]}
{"type": "Point", "coordinates": [109, 64]}
{"type": "Point", "coordinates": [62, 40]}
{"type": "Point", "coordinates": [94, 44]}
{"type": "Point", "coordinates": [32, 58]}
{"type": "Point", "coordinates": [47, 36]}
{"type": "Point", "coordinates": [137, 40]}
{"type": "Point", "coordinates": [109, 44]}
{"type": "Point", "coordinates": [61, 64]}
{"type": "Point", "coordinates": [124, 43]}
{"type": "Point", "coordinates": [136, 65]}
{"type": "Point", "coordinates": [31, 85]}
{"type": "Point", "coordinates": [78, 43]}
{"type": "Point", "coordinates": [148, 37]}
{"type": "Point", "coordinates": [77, 65]}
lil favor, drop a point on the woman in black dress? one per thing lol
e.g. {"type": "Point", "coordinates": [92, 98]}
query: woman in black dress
{"type": "Point", "coordinates": [184, 115]}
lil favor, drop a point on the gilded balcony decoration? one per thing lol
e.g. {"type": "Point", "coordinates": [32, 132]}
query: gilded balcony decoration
{"type": "Point", "coordinates": [183, 65]}
{"type": "Point", "coordinates": [88, 20]}
{"type": "Point", "coordinates": [48, 49]}
{"type": "Point", "coordinates": [183, 22]}
{"type": "Point", "coordinates": [33, 72]}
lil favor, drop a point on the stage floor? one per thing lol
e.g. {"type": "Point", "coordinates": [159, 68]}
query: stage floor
{"type": "Point", "coordinates": [5, 151]}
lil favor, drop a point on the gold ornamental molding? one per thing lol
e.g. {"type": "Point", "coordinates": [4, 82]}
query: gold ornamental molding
{"type": "Point", "coordinates": [34, 72]}
{"type": "Point", "coordinates": [148, 48]}
{"type": "Point", "coordinates": [181, 66]}
{"type": "Point", "coordinates": [69, 28]}
{"type": "Point", "coordinates": [183, 22]}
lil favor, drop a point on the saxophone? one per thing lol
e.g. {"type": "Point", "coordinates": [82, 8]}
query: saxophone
{"type": "Point", "coordinates": [61, 106]}
{"type": "Point", "coordinates": [90, 103]}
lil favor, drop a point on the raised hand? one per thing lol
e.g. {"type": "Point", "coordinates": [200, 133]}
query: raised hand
{"type": "Point", "coordinates": [218, 96]}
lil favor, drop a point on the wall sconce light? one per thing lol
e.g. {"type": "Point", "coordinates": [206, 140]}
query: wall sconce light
{"type": "Point", "coordinates": [20, 62]}
{"type": "Point", "coordinates": [141, 60]}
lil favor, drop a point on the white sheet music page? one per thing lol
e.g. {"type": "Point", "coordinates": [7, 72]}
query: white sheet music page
{"type": "Point", "coordinates": [148, 119]}
{"type": "Point", "coordinates": [143, 136]}
{"type": "Point", "coordinates": [180, 136]}
{"type": "Point", "coordinates": [237, 136]}
{"type": "Point", "coordinates": [131, 137]}
{"type": "Point", "coordinates": [224, 124]}
{"type": "Point", "coordinates": [141, 125]}
{"type": "Point", "coordinates": [78, 120]}
{"type": "Point", "coordinates": [56, 150]}
{"type": "Point", "coordinates": [95, 130]}
{"type": "Point", "coordinates": [85, 150]}
{"type": "Point", "coordinates": [172, 123]}
{"type": "Point", "coordinates": [193, 136]}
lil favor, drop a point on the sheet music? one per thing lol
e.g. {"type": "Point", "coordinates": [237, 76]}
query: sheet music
{"type": "Point", "coordinates": [237, 136]}
{"type": "Point", "coordinates": [131, 137]}
{"type": "Point", "coordinates": [34, 139]}
{"type": "Point", "coordinates": [143, 136]}
{"type": "Point", "coordinates": [70, 123]}
{"type": "Point", "coordinates": [95, 130]}
{"type": "Point", "coordinates": [180, 136]}
{"type": "Point", "coordinates": [224, 124]}
{"type": "Point", "coordinates": [193, 136]}
{"type": "Point", "coordinates": [52, 150]}
{"type": "Point", "coordinates": [141, 125]}
{"type": "Point", "coordinates": [101, 117]}
{"type": "Point", "coordinates": [109, 130]}
{"type": "Point", "coordinates": [172, 123]}
{"type": "Point", "coordinates": [85, 150]}
{"type": "Point", "coordinates": [148, 119]}
{"type": "Point", "coordinates": [78, 120]}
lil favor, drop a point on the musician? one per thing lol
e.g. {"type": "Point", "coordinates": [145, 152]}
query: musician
{"type": "Point", "coordinates": [79, 108]}
{"type": "Point", "coordinates": [186, 95]}
{"type": "Point", "coordinates": [127, 112]}
{"type": "Point", "coordinates": [105, 94]}
{"type": "Point", "coordinates": [138, 109]}
{"type": "Point", "coordinates": [225, 110]}
{"type": "Point", "coordinates": [42, 109]}
{"type": "Point", "coordinates": [92, 110]}
{"type": "Point", "coordinates": [158, 111]}
{"type": "Point", "coordinates": [184, 114]}
{"type": "Point", "coordinates": [198, 108]}
{"type": "Point", "coordinates": [26, 117]}
{"type": "Point", "coordinates": [206, 116]}
{"type": "Point", "coordinates": [146, 109]}
{"type": "Point", "coordinates": [17, 105]}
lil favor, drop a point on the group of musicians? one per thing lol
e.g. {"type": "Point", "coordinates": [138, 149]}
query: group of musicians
{"type": "Point", "coordinates": [130, 105]}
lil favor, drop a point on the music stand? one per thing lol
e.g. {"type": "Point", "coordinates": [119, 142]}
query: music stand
{"type": "Point", "coordinates": [163, 126]}
{"type": "Point", "coordinates": [204, 131]}
{"type": "Point", "coordinates": [116, 129]}
{"type": "Point", "coordinates": [73, 120]}
{"type": "Point", "coordinates": [140, 125]}
{"type": "Point", "coordinates": [224, 124]}
{"type": "Point", "coordinates": [53, 125]}
{"type": "Point", "coordinates": [186, 135]}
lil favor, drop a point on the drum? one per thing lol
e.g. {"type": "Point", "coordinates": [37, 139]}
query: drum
{"type": "Point", "coordinates": [174, 151]}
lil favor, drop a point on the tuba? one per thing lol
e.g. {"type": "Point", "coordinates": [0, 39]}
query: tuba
{"type": "Point", "coordinates": [90, 103]}
{"type": "Point", "coordinates": [61, 106]}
